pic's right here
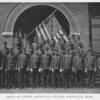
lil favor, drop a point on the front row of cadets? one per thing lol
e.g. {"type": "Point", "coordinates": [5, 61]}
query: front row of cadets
{"type": "Point", "coordinates": [47, 68]}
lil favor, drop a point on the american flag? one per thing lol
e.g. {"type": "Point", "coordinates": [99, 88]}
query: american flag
{"type": "Point", "coordinates": [49, 28]}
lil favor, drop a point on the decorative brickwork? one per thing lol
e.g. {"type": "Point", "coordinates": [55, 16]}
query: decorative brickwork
{"type": "Point", "coordinates": [16, 12]}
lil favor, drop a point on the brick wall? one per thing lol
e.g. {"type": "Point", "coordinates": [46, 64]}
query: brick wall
{"type": "Point", "coordinates": [79, 10]}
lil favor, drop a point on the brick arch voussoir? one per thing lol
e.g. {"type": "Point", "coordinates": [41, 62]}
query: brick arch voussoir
{"type": "Point", "coordinates": [17, 11]}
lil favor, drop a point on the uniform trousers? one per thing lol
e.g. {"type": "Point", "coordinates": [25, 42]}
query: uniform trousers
{"type": "Point", "coordinates": [67, 78]}
{"type": "Point", "coordinates": [22, 77]}
{"type": "Point", "coordinates": [90, 76]}
{"type": "Point", "coordinates": [11, 78]}
{"type": "Point", "coordinates": [46, 78]}
{"type": "Point", "coordinates": [77, 78]}
{"type": "Point", "coordinates": [61, 80]}
{"type": "Point", "coordinates": [55, 78]}
{"type": "Point", "coordinates": [35, 76]}
{"type": "Point", "coordinates": [2, 78]}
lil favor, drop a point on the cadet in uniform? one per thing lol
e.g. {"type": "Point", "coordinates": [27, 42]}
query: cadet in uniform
{"type": "Point", "coordinates": [50, 53]}
{"type": "Point", "coordinates": [45, 62]}
{"type": "Point", "coordinates": [10, 67]}
{"type": "Point", "coordinates": [77, 68]}
{"type": "Point", "coordinates": [5, 52]}
{"type": "Point", "coordinates": [0, 69]}
{"type": "Point", "coordinates": [28, 52]}
{"type": "Point", "coordinates": [34, 44]}
{"type": "Point", "coordinates": [22, 66]}
{"type": "Point", "coordinates": [55, 66]}
{"type": "Point", "coordinates": [90, 67]}
{"type": "Point", "coordinates": [67, 66]}
{"type": "Point", "coordinates": [98, 65]}
{"type": "Point", "coordinates": [61, 77]}
{"type": "Point", "coordinates": [34, 64]}
{"type": "Point", "coordinates": [16, 53]}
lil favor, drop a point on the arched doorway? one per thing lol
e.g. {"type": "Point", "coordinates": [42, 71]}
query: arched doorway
{"type": "Point", "coordinates": [20, 8]}
{"type": "Point", "coordinates": [32, 17]}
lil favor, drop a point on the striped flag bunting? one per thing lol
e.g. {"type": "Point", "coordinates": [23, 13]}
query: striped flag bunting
{"type": "Point", "coordinates": [42, 32]}
{"type": "Point", "coordinates": [49, 28]}
{"type": "Point", "coordinates": [38, 35]}
{"type": "Point", "coordinates": [46, 30]}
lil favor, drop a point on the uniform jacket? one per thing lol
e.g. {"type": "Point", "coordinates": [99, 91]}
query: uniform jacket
{"type": "Point", "coordinates": [67, 61]}
{"type": "Point", "coordinates": [98, 62]}
{"type": "Point", "coordinates": [56, 62]}
{"type": "Point", "coordinates": [22, 61]}
{"type": "Point", "coordinates": [10, 64]}
{"type": "Point", "coordinates": [90, 62]}
{"type": "Point", "coordinates": [34, 60]}
{"type": "Point", "coordinates": [77, 63]}
{"type": "Point", "coordinates": [4, 52]}
{"type": "Point", "coordinates": [45, 61]}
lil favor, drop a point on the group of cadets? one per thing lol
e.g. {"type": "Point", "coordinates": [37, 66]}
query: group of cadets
{"type": "Point", "coordinates": [47, 65]}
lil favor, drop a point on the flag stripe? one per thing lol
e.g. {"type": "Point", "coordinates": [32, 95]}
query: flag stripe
{"type": "Point", "coordinates": [65, 38]}
{"type": "Point", "coordinates": [58, 35]}
{"type": "Point", "coordinates": [61, 32]}
{"type": "Point", "coordinates": [55, 39]}
{"type": "Point", "coordinates": [46, 31]}
{"type": "Point", "coordinates": [38, 33]}
{"type": "Point", "coordinates": [42, 32]}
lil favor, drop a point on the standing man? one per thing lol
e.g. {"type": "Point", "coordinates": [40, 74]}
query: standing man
{"type": "Point", "coordinates": [77, 68]}
{"type": "Point", "coordinates": [67, 66]}
{"type": "Point", "coordinates": [28, 52]}
{"type": "Point", "coordinates": [16, 54]}
{"type": "Point", "coordinates": [10, 68]}
{"type": "Point", "coordinates": [90, 67]}
{"type": "Point", "coordinates": [61, 77]}
{"type": "Point", "coordinates": [1, 68]}
{"type": "Point", "coordinates": [34, 64]}
{"type": "Point", "coordinates": [45, 65]}
{"type": "Point", "coordinates": [5, 52]}
{"type": "Point", "coordinates": [50, 53]}
{"type": "Point", "coordinates": [55, 66]}
{"type": "Point", "coordinates": [22, 66]}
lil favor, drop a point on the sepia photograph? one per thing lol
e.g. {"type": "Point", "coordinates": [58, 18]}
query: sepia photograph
{"type": "Point", "coordinates": [50, 47]}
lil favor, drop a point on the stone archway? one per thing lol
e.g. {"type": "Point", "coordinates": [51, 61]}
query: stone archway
{"type": "Point", "coordinates": [16, 12]}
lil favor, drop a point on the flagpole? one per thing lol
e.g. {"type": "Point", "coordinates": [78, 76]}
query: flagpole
{"type": "Point", "coordinates": [41, 22]}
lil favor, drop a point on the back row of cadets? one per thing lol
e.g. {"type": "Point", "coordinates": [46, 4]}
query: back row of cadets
{"type": "Point", "coordinates": [45, 65]}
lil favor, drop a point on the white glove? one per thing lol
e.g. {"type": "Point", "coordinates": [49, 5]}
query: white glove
{"type": "Point", "coordinates": [73, 70]}
{"type": "Point", "coordinates": [61, 70]}
{"type": "Point", "coordinates": [95, 69]}
{"type": "Point", "coordinates": [85, 69]}
{"type": "Point", "coordinates": [18, 69]}
{"type": "Point", "coordinates": [1, 68]}
{"type": "Point", "coordinates": [31, 69]}
{"type": "Point", "coordinates": [27, 69]}
{"type": "Point", "coordinates": [40, 69]}
{"type": "Point", "coordinates": [52, 70]}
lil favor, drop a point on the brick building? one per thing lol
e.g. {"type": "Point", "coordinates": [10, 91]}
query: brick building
{"type": "Point", "coordinates": [76, 14]}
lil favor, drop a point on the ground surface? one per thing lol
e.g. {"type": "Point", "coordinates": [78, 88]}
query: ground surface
{"type": "Point", "coordinates": [41, 90]}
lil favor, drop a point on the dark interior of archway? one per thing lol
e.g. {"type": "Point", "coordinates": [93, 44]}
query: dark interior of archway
{"type": "Point", "coordinates": [33, 16]}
